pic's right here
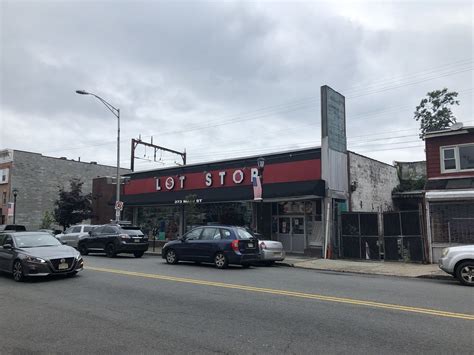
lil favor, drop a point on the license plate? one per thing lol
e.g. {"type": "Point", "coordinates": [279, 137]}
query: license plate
{"type": "Point", "coordinates": [63, 266]}
{"type": "Point", "coordinates": [137, 240]}
{"type": "Point", "coordinates": [250, 245]}
{"type": "Point", "coordinates": [277, 253]}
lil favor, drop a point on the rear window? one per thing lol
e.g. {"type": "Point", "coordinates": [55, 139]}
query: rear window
{"type": "Point", "coordinates": [243, 234]}
{"type": "Point", "coordinates": [14, 227]}
{"type": "Point", "coordinates": [131, 231]}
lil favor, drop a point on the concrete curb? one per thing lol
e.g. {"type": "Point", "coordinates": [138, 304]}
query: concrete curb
{"type": "Point", "coordinates": [426, 276]}
{"type": "Point", "coordinates": [295, 265]}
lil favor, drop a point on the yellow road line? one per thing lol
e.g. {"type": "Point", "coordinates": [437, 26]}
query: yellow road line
{"type": "Point", "coordinates": [396, 307]}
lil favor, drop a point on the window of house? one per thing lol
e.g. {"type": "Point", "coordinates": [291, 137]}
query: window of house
{"type": "Point", "coordinates": [4, 176]}
{"type": "Point", "coordinates": [466, 157]}
{"type": "Point", "coordinates": [4, 198]}
{"type": "Point", "coordinates": [457, 158]}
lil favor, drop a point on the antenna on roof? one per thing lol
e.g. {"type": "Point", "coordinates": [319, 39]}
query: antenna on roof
{"type": "Point", "coordinates": [456, 126]}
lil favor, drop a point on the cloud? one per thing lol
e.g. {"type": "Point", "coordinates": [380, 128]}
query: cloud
{"type": "Point", "coordinates": [224, 79]}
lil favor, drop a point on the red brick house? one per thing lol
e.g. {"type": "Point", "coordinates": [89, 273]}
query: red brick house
{"type": "Point", "coordinates": [449, 197]}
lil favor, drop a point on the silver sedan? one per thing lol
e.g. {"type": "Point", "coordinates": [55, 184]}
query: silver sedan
{"type": "Point", "coordinates": [271, 251]}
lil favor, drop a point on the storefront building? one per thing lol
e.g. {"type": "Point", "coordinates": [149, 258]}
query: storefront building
{"type": "Point", "coordinates": [168, 202]}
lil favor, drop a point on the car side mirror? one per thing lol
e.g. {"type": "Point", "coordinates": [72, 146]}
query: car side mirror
{"type": "Point", "coordinates": [63, 242]}
{"type": "Point", "coordinates": [90, 233]}
{"type": "Point", "coordinates": [7, 246]}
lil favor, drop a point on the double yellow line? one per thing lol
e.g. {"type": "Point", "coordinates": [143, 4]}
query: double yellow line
{"type": "Point", "coordinates": [395, 307]}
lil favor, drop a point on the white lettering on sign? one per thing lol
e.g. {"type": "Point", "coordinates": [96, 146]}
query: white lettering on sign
{"type": "Point", "coordinates": [208, 179]}
{"type": "Point", "coordinates": [253, 174]}
{"type": "Point", "coordinates": [169, 183]}
{"type": "Point", "coordinates": [158, 187]}
{"type": "Point", "coordinates": [238, 176]}
{"type": "Point", "coordinates": [181, 180]}
{"type": "Point", "coordinates": [222, 175]}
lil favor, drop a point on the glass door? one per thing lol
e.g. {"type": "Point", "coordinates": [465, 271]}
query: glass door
{"type": "Point", "coordinates": [291, 233]}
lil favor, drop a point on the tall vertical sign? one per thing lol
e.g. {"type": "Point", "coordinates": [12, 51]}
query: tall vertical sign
{"type": "Point", "coordinates": [333, 160]}
{"type": "Point", "coordinates": [334, 143]}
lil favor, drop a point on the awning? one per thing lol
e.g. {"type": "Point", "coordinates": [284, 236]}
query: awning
{"type": "Point", "coordinates": [445, 195]}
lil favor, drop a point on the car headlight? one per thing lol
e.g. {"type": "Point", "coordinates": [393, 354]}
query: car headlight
{"type": "Point", "coordinates": [445, 252]}
{"type": "Point", "coordinates": [78, 257]}
{"type": "Point", "coordinates": [32, 259]}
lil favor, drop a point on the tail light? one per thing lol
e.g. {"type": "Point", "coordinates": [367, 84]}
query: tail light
{"type": "Point", "coordinates": [124, 236]}
{"type": "Point", "coordinates": [262, 245]}
{"type": "Point", "coordinates": [235, 245]}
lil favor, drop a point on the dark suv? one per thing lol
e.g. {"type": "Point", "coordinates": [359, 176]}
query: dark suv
{"type": "Point", "coordinates": [114, 239]}
{"type": "Point", "coordinates": [218, 244]}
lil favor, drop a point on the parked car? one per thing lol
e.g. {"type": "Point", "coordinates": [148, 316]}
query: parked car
{"type": "Point", "coordinates": [114, 239]}
{"type": "Point", "coordinates": [218, 244]}
{"type": "Point", "coordinates": [459, 262]}
{"type": "Point", "coordinates": [270, 250]}
{"type": "Point", "coordinates": [12, 227]}
{"type": "Point", "coordinates": [25, 254]}
{"type": "Point", "coordinates": [74, 234]}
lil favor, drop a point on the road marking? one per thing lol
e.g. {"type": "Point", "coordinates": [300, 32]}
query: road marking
{"type": "Point", "coordinates": [396, 307]}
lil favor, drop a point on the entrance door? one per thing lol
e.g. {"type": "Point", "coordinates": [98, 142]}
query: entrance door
{"type": "Point", "coordinates": [291, 233]}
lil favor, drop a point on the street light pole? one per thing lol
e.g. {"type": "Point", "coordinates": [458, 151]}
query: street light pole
{"type": "Point", "coordinates": [261, 167]}
{"type": "Point", "coordinates": [15, 193]}
{"type": "Point", "coordinates": [116, 113]}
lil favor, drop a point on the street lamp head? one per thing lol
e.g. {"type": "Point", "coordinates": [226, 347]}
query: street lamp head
{"type": "Point", "coordinates": [261, 163]}
{"type": "Point", "coordinates": [82, 92]}
{"type": "Point", "coordinates": [15, 192]}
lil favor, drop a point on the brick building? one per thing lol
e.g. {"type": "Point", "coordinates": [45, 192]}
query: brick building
{"type": "Point", "coordinates": [449, 196]}
{"type": "Point", "coordinates": [38, 179]}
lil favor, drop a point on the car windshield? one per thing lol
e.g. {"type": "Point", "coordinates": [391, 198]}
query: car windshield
{"type": "Point", "coordinates": [35, 240]}
{"type": "Point", "coordinates": [243, 234]}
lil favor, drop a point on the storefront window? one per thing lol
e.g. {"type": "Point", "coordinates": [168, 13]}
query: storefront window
{"type": "Point", "coordinates": [161, 223]}
{"type": "Point", "coordinates": [239, 214]}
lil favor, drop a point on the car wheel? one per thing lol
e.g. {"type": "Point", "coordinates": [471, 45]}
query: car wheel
{"type": "Point", "coordinates": [83, 249]}
{"type": "Point", "coordinates": [220, 260]}
{"type": "Point", "coordinates": [18, 271]}
{"type": "Point", "coordinates": [465, 273]}
{"type": "Point", "coordinates": [138, 254]}
{"type": "Point", "coordinates": [110, 250]}
{"type": "Point", "coordinates": [171, 257]}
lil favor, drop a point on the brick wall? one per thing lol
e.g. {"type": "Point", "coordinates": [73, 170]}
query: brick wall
{"type": "Point", "coordinates": [38, 179]}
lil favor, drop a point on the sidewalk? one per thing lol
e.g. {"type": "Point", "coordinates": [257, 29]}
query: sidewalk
{"type": "Point", "coordinates": [399, 269]}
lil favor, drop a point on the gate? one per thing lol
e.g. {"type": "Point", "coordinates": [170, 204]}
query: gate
{"type": "Point", "coordinates": [402, 236]}
{"type": "Point", "coordinates": [360, 236]}
{"type": "Point", "coordinates": [399, 240]}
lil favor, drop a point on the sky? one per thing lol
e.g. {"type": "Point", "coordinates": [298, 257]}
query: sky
{"type": "Point", "coordinates": [225, 79]}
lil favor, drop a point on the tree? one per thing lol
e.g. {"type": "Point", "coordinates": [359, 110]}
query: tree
{"type": "Point", "coordinates": [47, 221]}
{"type": "Point", "coordinates": [72, 206]}
{"type": "Point", "coordinates": [434, 111]}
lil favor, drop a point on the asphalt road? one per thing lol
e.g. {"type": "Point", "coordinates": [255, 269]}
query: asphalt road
{"type": "Point", "coordinates": [136, 306]}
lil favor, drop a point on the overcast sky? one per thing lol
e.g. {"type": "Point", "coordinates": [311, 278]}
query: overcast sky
{"type": "Point", "coordinates": [226, 79]}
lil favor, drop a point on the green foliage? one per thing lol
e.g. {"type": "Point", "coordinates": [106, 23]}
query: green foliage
{"type": "Point", "coordinates": [434, 111]}
{"type": "Point", "coordinates": [410, 185]}
{"type": "Point", "coordinates": [47, 221]}
{"type": "Point", "coordinates": [72, 206]}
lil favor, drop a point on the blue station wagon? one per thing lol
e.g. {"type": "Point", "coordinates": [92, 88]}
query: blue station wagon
{"type": "Point", "coordinates": [221, 245]}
